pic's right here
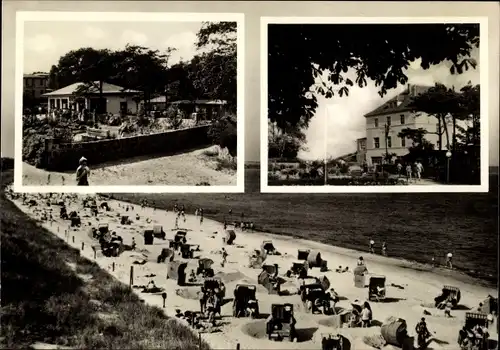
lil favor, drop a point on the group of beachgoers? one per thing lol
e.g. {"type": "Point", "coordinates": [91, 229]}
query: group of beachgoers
{"type": "Point", "coordinates": [448, 259]}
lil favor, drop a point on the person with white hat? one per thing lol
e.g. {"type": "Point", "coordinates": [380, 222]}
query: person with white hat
{"type": "Point", "coordinates": [82, 173]}
{"type": "Point", "coordinates": [449, 256]}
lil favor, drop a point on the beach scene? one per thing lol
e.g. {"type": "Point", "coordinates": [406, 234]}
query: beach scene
{"type": "Point", "coordinates": [170, 250]}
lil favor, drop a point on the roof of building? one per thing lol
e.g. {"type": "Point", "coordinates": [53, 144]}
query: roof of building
{"type": "Point", "coordinates": [161, 99]}
{"type": "Point", "coordinates": [107, 88]}
{"type": "Point", "coordinates": [399, 103]}
{"type": "Point", "coordinates": [36, 75]}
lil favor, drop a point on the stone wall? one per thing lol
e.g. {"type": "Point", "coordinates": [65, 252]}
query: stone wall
{"type": "Point", "coordinates": [62, 157]}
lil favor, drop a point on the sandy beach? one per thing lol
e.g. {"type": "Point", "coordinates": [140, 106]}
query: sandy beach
{"type": "Point", "coordinates": [186, 169]}
{"type": "Point", "coordinates": [407, 289]}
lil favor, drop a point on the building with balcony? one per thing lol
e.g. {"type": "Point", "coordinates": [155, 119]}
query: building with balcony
{"type": "Point", "coordinates": [36, 84]}
{"type": "Point", "coordinates": [396, 114]}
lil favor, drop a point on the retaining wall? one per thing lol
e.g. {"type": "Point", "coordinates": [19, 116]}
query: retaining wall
{"type": "Point", "coordinates": [62, 157]}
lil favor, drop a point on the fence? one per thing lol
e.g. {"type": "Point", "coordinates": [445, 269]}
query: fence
{"type": "Point", "coordinates": [62, 157]}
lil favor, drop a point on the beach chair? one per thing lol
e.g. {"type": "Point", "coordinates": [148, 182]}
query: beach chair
{"type": "Point", "coordinates": [376, 288]}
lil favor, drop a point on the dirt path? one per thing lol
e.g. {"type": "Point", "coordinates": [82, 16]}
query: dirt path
{"type": "Point", "coordinates": [187, 169]}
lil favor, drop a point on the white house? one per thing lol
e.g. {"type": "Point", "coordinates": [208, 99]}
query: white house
{"type": "Point", "coordinates": [117, 99]}
{"type": "Point", "coordinates": [398, 115]}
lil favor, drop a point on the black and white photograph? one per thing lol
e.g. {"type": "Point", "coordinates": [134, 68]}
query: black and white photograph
{"type": "Point", "coordinates": [178, 267]}
{"type": "Point", "coordinates": [149, 102]}
{"type": "Point", "coordinates": [374, 104]}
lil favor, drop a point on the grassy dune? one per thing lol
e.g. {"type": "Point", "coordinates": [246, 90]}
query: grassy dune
{"type": "Point", "coordinates": [51, 294]}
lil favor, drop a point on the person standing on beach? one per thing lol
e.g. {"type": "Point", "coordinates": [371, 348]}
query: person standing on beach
{"type": "Point", "coordinates": [449, 264]}
{"type": "Point", "coordinates": [372, 246]}
{"type": "Point", "coordinates": [366, 315]}
{"type": "Point", "coordinates": [201, 216]}
{"type": "Point", "coordinates": [82, 173]}
{"type": "Point", "coordinates": [384, 249]}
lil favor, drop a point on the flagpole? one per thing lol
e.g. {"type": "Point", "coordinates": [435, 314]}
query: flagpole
{"type": "Point", "coordinates": [326, 145]}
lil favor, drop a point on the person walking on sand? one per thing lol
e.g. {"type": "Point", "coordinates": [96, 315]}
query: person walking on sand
{"type": "Point", "coordinates": [408, 173]}
{"type": "Point", "coordinates": [201, 216]}
{"type": "Point", "coordinates": [372, 246]}
{"type": "Point", "coordinates": [82, 173]}
{"type": "Point", "coordinates": [384, 249]}
{"type": "Point", "coordinates": [449, 264]}
{"type": "Point", "coordinates": [224, 257]}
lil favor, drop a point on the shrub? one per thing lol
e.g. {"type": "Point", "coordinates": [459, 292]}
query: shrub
{"type": "Point", "coordinates": [174, 116]}
{"type": "Point", "coordinates": [228, 164]}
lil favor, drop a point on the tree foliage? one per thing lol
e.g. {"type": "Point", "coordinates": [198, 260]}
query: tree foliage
{"type": "Point", "coordinates": [213, 72]}
{"type": "Point", "coordinates": [299, 53]}
{"type": "Point", "coordinates": [447, 104]}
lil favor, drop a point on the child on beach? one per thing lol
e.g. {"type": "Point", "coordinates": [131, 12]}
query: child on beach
{"type": "Point", "coordinates": [366, 315]}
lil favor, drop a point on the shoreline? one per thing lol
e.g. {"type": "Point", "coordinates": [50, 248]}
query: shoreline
{"type": "Point", "coordinates": [408, 287]}
{"type": "Point", "coordinates": [392, 261]}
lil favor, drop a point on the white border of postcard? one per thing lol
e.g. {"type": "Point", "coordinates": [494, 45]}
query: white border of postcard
{"type": "Point", "coordinates": [483, 64]}
{"type": "Point", "coordinates": [25, 16]}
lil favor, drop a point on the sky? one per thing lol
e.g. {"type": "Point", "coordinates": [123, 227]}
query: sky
{"type": "Point", "coordinates": [46, 42]}
{"type": "Point", "coordinates": [346, 121]}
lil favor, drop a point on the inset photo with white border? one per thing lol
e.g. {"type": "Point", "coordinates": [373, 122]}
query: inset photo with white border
{"type": "Point", "coordinates": [129, 102]}
{"type": "Point", "coordinates": [371, 104]}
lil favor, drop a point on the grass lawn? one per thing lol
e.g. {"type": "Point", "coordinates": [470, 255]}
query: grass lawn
{"type": "Point", "coordinates": [51, 294]}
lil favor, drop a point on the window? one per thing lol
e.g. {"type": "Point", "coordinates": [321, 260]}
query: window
{"type": "Point", "coordinates": [389, 142]}
{"type": "Point", "coordinates": [123, 106]}
{"type": "Point", "coordinates": [376, 141]}
{"type": "Point", "coordinates": [402, 118]}
{"type": "Point", "coordinates": [376, 122]}
{"type": "Point", "coordinates": [29, 82]}
{"type": "Point", "coordinates": [403, 142]}
{"type": "Point", "coordinates": [388, 121]}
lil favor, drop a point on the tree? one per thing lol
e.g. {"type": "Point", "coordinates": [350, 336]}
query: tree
{"type": "Point", "coordinates": [446, 104]}
{"type": "Point", "coordinates": [285, 143]}
{"type": "Point", "coordinates": [223, 132]}
{"type": "Point", "coordinates": [213, 71]}
{"type": "Point", "coordinates": [145, 70]}
{"type": "Point", "coordinates": [298, 54]}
